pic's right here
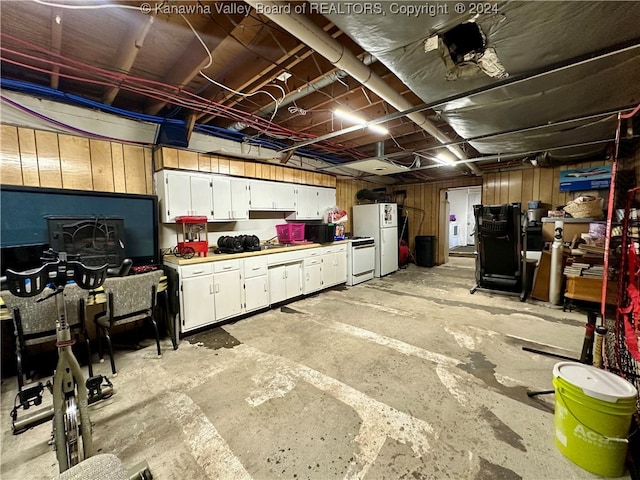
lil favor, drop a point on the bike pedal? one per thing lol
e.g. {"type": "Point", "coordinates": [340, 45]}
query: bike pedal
{"type": "Point", "coordinates": [31, 394]}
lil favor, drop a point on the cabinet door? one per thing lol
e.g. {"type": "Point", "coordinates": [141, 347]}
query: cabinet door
{"type": "Point", "coordinates": [312, 275]}
{"type": "Point", "coordinates": [256, 293]}
{"type": "Point", "coordinates": [307, 203]}
{"type": "Point", "coordinates": [221, 198]}
{"type": "Point", "coordinates": [293, 278]}
{"type": "Point", "coordinates": [201, 197]}
{"type": "Point", "coordinates": [239, 198]}
{"type": "Point", "coordinates": [178, 195]}
{"type": "Point", "coordinates": [227, 289]}
{"type": "Point", "coordinates": [261, 196]}
{"type": "Point", "coordinates": [197, 302]}
{"type": "Point", "coordinates": [341, 265]}
{"type": "Point", "coordinates": [329, 274]}
{"type": "Point", "coordinates": [277, 284]}
{"type": "Point", "coordinates": [326, 199]}
{"type": "Point", "coordinates": [285, 196]}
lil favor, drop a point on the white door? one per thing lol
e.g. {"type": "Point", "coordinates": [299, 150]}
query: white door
{"type": "Point", "coordinates": [326, 200]}
{"type": "Point", "coordinates": [329, 269]}
{"type": "Point", "coordinates": [198, 306]}
{"type": "Point", "coordinates": [261, 196]}
{"type": "Point", "coordinates": [178, 188]}
{"type": "Point", "coordinates": [293, 279]}
{"type": "Point", "coordinates": [388, 250]}
{"type": "Point", "coordinates": [473, 198]}
{"type": "Point", "coordinates": [341, 264]}
{"type": "Point", "coordinates": [227, 289]}
{"type": "Point", "coordinates": [312, 275]}
{"type": "Point", "coordinates": [256, 293]}
{"type": "Point", "coordinates": [307, 203]}
{"type": "Point", "coordinates": [277, 284]}
{"type": "Point", "coordinates": [221, 198]}
{"type": "Point", "coordinates": [201, 196]}
{"type": "Point", "coordinates": [239, 198]}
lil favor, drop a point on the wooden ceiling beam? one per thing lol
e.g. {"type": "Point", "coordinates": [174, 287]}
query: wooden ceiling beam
{"type": "Point", "coordinates": [127, 52]}
{"type": "Point", "coordinates": [255, 83]}
{"type": "Point", "coordinates": [56, 44]}
{"type": "Point", "coordinates": [194, 58]}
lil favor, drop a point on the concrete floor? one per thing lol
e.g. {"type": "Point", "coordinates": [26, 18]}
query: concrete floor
{"type": "Point", "coordinates": [404, 377]}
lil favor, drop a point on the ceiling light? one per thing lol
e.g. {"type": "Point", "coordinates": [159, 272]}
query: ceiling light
{"type": "Point", "coordinates": [445, 158]}
{"type": "Point", "coordinates": [359, 121]}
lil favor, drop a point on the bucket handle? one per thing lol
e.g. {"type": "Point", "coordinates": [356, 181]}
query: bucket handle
{"type": "Point", "coordinates": [608, 439]}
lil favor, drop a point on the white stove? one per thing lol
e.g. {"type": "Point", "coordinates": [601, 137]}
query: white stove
{"type": "Point", "coordinates": [361, 261]}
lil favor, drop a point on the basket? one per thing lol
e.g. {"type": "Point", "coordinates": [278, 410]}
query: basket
{"type": "Point", "coordinates": [290, 232]}
{"type": "Point", "coordinates": [591, 208]}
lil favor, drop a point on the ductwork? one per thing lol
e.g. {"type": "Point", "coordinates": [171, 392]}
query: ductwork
{"type": "Point", "coordinates": [320, 41]}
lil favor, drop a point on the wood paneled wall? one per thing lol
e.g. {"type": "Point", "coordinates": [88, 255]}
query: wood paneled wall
{"type": "Point", "coordinates": [530, 184]}
{"type": "Point", "coordinates": [421, 200]}
{"type": "Point", "coordinates": [44, 159]}
{"type": "Point", "coordinates": [165, 157]}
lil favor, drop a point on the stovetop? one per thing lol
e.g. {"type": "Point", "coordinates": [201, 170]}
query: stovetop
{"type": "Point", "coordinates": [360, 240]}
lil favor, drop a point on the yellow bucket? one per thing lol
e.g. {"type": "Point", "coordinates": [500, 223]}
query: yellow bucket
{"type": "Point", "coordinates": [593, 412]}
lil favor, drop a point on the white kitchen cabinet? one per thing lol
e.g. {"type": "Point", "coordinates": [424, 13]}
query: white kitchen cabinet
{"type": "Point", "coordinates": [285, 282]}
{"type": "Point", "coordinates": [312, 202]}
{"type": "Point", "coordinates": [227, 288]}
{"type": "Point", "coordinates": [312, 274]}
{"type": "Point", "coordinates": [239, 199]}
{"type": "Point", "coordinates": [307, 203]}
{"type": "Point", "coordinates": [256, 284]}
{"type": "Point", "coordinates": [230, 198]}
{"type": "Point", "coordinates": [197, 302]}
{"type": "Point", "coordinates": [326, 199]}
{"type": "Point", "coordinates": [183, 193]}
{"type": "Point", "coordinates": [334, 265]}
{"type": "Point", "coordinates": [273, 196]}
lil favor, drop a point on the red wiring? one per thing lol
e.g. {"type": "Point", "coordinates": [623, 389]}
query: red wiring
{"type": "Point", "coordinates": [157, 90]}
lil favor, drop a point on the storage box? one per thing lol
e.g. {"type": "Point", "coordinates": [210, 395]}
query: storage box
{"type": "Point", "coordinates": [290, 232]}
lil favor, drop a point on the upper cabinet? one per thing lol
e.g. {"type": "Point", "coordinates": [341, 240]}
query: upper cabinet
{"type": "Point", "coordinates": [313, 202]}
{"type": "Point", "coordinates": [223, 198]}
{"type": "Point", "coordinates": [183, 193]}
{"type": "Point", "coordinates": [230, 198]}
{"type": "Point", "coordinates": [272, 196]}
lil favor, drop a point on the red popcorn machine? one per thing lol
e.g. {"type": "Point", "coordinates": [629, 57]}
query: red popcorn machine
{"type": "Point", "coordinates": [193, 230]}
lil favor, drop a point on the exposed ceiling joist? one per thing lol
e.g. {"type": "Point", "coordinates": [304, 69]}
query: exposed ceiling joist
{"type": "Point", "coordinates": [56, 43]}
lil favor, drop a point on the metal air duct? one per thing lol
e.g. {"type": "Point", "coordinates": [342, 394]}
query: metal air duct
{"type": "Point", "coordinates": [320, 41]}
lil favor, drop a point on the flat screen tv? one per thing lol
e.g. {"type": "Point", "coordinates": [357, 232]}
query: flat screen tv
{"type": "Point", "coordinates": [24, 214]}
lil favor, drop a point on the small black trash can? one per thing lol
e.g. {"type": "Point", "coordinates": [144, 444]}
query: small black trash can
{"type": "Point", "coordinates": [426, 250]}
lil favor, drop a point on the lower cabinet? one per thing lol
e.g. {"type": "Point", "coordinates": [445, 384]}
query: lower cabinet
{"type": "Point", "coordinates": [214, 291]}
{"type": "Point", "coordinates": [334, 265]}
{"type": "Point", "coordinates": [285, 282]}
{"type": "Point", "coordinates": [227, 288]}
{"type": "Point", "coordinates": [197, 305]}
{"type": "Point", "coordinates": [256, 284]}
{"type": "Point", "coordinates": [312, 274]}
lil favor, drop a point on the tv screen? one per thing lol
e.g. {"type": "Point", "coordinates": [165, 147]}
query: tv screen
{"type": "Point", "coordinates": [24, 212]}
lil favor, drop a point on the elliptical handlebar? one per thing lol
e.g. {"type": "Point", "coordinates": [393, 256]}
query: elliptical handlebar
{"type": "Point", "coordinates": [58, 268]}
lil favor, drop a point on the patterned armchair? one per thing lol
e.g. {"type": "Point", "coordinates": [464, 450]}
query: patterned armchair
{"type": "Point", "coordinates": [130, 299]}
{"type": "Point", "coordinates": [35, 323]}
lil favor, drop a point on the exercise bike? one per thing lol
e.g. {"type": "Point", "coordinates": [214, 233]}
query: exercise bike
{"type": "Point", "coordinates": [71, 395]}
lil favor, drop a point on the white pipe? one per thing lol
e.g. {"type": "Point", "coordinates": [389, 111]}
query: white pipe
{"type": "Point", "coordinates": [320, 41]}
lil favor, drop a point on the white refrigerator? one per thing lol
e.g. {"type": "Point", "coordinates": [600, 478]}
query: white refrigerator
{"type": "Point", "coordinates": [380, 221]}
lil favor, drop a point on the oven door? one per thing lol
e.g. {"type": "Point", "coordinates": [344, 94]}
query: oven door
{"type": "Point", "coordinates": [362, 264]}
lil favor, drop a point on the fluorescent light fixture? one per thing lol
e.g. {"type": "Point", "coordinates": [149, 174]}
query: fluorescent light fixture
{"type": "Point", "coordinates": [445, 158]}
{"type": "Point", "coordinates": [359, 121]}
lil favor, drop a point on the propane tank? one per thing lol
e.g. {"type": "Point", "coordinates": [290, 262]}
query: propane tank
{"type": "Point", "coordinates": [555, 278]}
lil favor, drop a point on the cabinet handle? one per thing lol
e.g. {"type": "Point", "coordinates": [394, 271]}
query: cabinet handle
{"type": "Point", "coordinates": [227, 267]}
{"type": "Point", "coordinates": [255, 268]}
{"type": "Point", "coordinates": [217, 287]}
{"type": "Point", "coordinates": [196, 272]}
{"type": "Point", "coordinates": [265, 286]}
{"type": "Point", "coordinates": [211, 289]}
{"type": "Point", "coordinates": [307, 277]}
